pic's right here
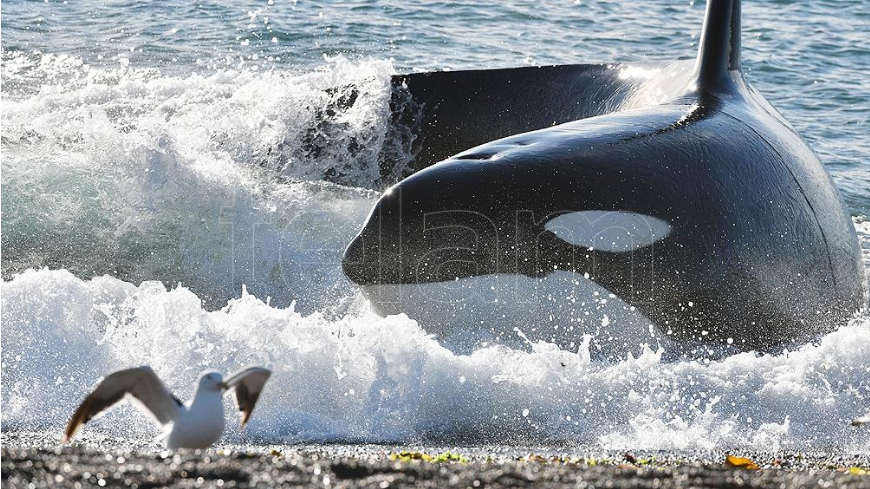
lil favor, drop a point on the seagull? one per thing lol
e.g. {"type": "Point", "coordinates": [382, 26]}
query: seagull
{"type": "Point", "coordinates": [196, 424]}
{"type": "Point", "coordinates": [862, 420]}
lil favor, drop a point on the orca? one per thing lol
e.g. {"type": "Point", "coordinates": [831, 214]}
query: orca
{"type": "Point", "coordinates": [668, 204]}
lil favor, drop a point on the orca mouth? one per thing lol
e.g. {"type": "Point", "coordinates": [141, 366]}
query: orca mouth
{"type": "Point", "coordinates": [560, 308]}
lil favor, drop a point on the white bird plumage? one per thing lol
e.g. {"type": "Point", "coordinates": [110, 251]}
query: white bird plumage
{"type": "Point", "coordinates": [197, 424]}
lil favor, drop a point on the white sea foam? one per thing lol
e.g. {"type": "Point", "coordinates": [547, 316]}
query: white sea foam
{"type": "Point", "coordinates": [362, 377]}
{"type": "Point", "coordinates": [213, 181]}
{"type": "Point", "coordinates": [330, 122]}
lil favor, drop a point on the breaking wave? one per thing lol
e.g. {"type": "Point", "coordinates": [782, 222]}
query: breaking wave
{"type": "Point", "coordinates": [360, 377]}
{"type": "Point", "coordinates": [198, 221]}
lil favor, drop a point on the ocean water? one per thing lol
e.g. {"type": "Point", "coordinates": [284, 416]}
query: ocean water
{"type": "Point", "coordinates": [169, 198]}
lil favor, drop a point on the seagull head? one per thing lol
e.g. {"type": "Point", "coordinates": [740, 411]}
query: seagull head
{"type": "Point", "coordinates": [211, 380]}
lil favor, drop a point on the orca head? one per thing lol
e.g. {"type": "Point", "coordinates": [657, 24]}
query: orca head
{"type": "Point", "coordinates": [535, 227]}
{"type": "Point", "coordinates": [551, 200]}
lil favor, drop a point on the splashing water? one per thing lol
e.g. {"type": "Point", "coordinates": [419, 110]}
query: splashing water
{"type": "Point", "coordinates": [153, 196]}
{"type": "Point", "coordinates": [108, 173]}
{"type": "Point", "coordinates": [363, 377]}
{"type": "Point", "coordinates": [327, 124]}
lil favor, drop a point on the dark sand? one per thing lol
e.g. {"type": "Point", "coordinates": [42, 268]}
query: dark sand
{"type": "Point", "coordinates": [38, 460]}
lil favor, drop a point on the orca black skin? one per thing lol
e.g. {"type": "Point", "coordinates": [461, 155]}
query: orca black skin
{"type": "Point", "coordinates": [743, 236]}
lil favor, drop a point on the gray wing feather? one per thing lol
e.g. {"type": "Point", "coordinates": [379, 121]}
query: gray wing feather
{"type": "Point", "coordinates": [248, 384]}
{"type": "Point", "coordinates": [141, 383]}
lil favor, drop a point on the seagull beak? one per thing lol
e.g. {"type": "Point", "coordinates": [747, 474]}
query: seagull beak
{"type": "Point", "coordinates": [225, 386]}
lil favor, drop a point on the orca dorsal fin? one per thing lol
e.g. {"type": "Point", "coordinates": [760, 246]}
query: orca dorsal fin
{"type": "Point", "coordinates": [718, 63]}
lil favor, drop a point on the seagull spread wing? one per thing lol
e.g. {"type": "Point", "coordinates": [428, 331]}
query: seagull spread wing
{"type": "Point", "coordinates": [862, 420]}
{"type": "Point", "coordinates": [248, 384]}
{"type": "Point", "coordinates": [141, 383]}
